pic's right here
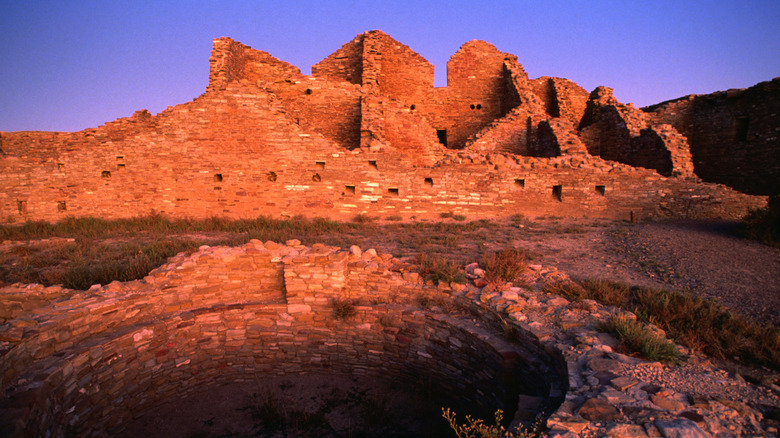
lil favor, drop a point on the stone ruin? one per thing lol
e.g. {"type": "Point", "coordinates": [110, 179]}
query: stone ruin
{"type": "Point", "coordinates": [96, 363]}
{"type": "Point", "coordinates": [368, 133]}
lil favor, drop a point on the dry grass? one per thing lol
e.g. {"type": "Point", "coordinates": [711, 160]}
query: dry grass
{"type": "Point", "coordinates": [635, 337]}
{"type": "Point", "coordinates": [505, 265]}
{"type": "Point", "coordinates": [703, 325]}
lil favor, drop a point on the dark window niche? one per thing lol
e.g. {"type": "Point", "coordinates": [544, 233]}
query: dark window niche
{"type": "Point", "coordinates": [308, 91]}
{"type": "Point", "coordinates": [120, 166]}
{"type": "Point", "coordinates": [479, 106]}
{"type": "Point", "coordinates": [316, 177]}
{"type": "Point", "coordinates": [557, 192]}
{"type": "Point", "coordinates": [412, 107]}
{"type": "Point", "coordinates": [60, 167]}
{"type": "Point", "coordinates": [271, 176]}
{"type": "Point", "coordinates": [372, 163]}
{"type": "Point", "coordinates": [519, 183]}
{"type": "Point", "coordinates": [61, 206]}
{"type": "Point", "coordinates": [442, 134]}
{"type": "Point", "coordinates": [319, 164]}
{"type": "Point", "coordinates": [393, 191]}
{"type": "Point", "coordinates": [472, 106]}
{"type": "Point", "coordinates": [601, 190]}
{"type": "Point", "coordinates": [217, 177]}
{"type": "Point", "coordinates": [349, 189]}
{"type": "Point", "coordinates": [742, 125]}
{"type": "Point", "coordinates": [105, 174]}
{"type": "Point", "coordinates": [21, 206]}
{"type": "Point", "coordinates": [429, 182]}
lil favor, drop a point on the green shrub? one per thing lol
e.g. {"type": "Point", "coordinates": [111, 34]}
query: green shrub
{"type": "Point", "coordinates": [637, 338]}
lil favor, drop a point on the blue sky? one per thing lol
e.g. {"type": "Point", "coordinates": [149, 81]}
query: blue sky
{"type": "Point", "coordinates": [67, 66]}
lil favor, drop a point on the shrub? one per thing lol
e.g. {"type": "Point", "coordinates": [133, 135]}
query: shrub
{"type": "Point", "coordinates": [343, 309]}
{"type": "Point", "coordinates": [763, 224]}
{"type": "Point", "coordinates": [505, 265]}
{"type": "Point", "coordinates": [476, 428]}
{"type": "Point", "coordinates": [637, 338]}
{"type": "Point", "coordinates": [439, 269]}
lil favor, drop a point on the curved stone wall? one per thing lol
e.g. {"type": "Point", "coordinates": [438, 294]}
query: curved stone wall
{"type": "Point", "coordinates": [89, 364]}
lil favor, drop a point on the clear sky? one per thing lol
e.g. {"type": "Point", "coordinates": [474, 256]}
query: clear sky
{"type": "Point", "coordinates": [70, 65]}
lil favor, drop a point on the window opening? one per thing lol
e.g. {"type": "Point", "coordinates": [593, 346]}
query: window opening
{"type": "Point", "coordinates": [271, 176]}
{"type": "Point", "coordinates": [393, 191]}
{"type": "Point", "coordinates": [557, 192]}
{"type": "Point", "coordinates": [601, 190]}
{"type": "Point", "coordinates": [217, 177]}
{"type": "Point", "coordinates": [61, 167]}
{"type": "Point", "coordinates": [61, 206]}
{"type": "Point", "coordinates": [349, 189]}
{"type": "Point", "coordinates": [479, 106]}
{"type": "Point", "coordinates": [21, 206]}
{"type": "Point", "coordinates": [472, 106]}
{"type": "Point", "coordinates": [120, 166]}
{"type": "Point", "coordinates": [429, 182]}
{"type": "Point", "coordinates": [743, 123]}
{"type": "Point", "coordinates": [319, 164]}
{"type": "Point", "coordinates": [308, 91]}
{"type": "Point", "coordinates": [105, 174]}
{"type": "Point", "coordinates": [519, 182]}
{"type": "Point", "coordinates": [442, 134]}
{"type": "Point", "coordinates": [372, 163]}
{"type": "Point", "coordinates": [316, 177]}
{"type": "Point", "coordinates": [412, 107]}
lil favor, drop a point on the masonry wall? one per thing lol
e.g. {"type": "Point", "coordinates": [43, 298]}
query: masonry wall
{"type": "Point", "coordinates": [92, 364]}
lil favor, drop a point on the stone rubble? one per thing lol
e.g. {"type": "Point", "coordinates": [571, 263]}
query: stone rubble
{"type": "Point", "coordinates": [279, 298]}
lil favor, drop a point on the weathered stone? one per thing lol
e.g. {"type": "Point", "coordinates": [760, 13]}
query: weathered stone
{"type": "Point", "coordinates": [667, 403]}
{"type": "Point", "coordinates": [598, 410]}
{"type": "Point", "coordinates": [626, 431]}
{"type": "Point", "coordinates": [681, 428]}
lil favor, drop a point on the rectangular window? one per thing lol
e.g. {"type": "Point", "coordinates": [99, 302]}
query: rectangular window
{"type": "Point", "coordinates": [601, 190]}
{"type": "Point", "coordinates": [61, 206]}
{"type": "Point", "coordinates": [442, 134]}
{"type": "Point", "coordinates": [743, 123]}
{"type": "Point", "coordinates": [557, 192]}
{"type": "Point", "coordinates": [520, 183]}
{"type": "Point", "coordinates": [429, 182]}
{"type": "Point", "coordinates": [393, 191]}
{"type": "Point", "coordinates": [21, 206]}
{"type": "Point", "coordinates": [372, 163]}
{"type": "Point", "coordinates": [319, 164]}
{"type": "Point", "coordinates": [349, 189]}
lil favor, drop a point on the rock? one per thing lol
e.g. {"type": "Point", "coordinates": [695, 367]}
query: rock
{"type": "Point", "coordinates": [693, 416]}
{"type": "Point", "coordinates": [602, 364]}
{"type": "Point", "coordinates": [480, 282]}
{"type": "Point", "coordinates": [667, 403]}
{"type": "Point", "coordinates": [355, 250]}
{"type": "Point", "coordinates": [681, 428]}
{"type": "Point", "coordinates": [625, 431]}
{"type": "Point", "coordinates": [598, 410]}
{"type": "Point", "coordinates": [623, 383]}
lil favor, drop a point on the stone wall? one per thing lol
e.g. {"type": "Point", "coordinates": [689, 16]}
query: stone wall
{"type": "Point", "coordinates": [366, 135]}
{"type": "Point", "coordinates": [734, 135]}
{"type": "Point", "coordinates": [90, 364]}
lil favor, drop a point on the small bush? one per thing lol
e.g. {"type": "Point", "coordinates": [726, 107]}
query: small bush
{"type": "Point", "coordinates": [343, 310]}
{"type": "Point", "coordinates": [439, 269]}
{"type": "Point", "coordinates": [476, 428]}
{"type": "Point", "coordinates": [637, 338]}
{"type": "Point", "coordinates": [363, 219]}
{"type": "Point", "coordinates": [764, 224]}
{"type": "Point", "coordinates": [505, 265]}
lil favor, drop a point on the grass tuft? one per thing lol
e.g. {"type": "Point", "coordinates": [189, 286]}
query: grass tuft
{"type": "Point", "coordinates": [506, 265]}
{"type": "Point", "coordinates": [763, 224]}
{"type": "Point", "coordinates": [440, 270]}
{"type": "Point", "coordinates": [637, 338]}
{"type": "Point", "coordinates": [343, 309]}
